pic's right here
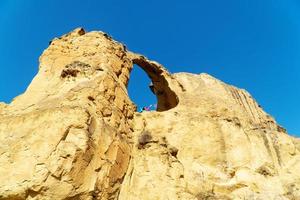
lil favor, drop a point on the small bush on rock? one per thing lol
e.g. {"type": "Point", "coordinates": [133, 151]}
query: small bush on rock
{"type": "Point", "coordinates": [144, 139]}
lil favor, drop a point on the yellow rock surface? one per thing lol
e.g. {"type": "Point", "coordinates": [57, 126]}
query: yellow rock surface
{"type": "Point", "coordinates": [75, 134]}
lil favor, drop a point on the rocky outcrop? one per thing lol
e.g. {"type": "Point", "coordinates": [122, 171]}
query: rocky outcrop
{"type": "Point", "coordinates": [216, 144]}
{"type": "Point", "coordinates": [74, 133]}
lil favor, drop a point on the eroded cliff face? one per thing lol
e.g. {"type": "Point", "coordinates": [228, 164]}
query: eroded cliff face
{"type": "Point", "coordinates": [75, 134]}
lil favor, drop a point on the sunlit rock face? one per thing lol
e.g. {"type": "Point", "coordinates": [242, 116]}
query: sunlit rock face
{"type": "Point", "coordinates": [75, 133]}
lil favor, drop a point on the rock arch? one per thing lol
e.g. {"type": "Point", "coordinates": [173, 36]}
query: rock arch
{"type": "Point", "coordinates": [160, 77]}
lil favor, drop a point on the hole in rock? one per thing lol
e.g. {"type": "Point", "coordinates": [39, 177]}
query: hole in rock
{"type": "Point", "coordinates": [139, 91]}
{"type": "Point", "coordinates": [145, 82]}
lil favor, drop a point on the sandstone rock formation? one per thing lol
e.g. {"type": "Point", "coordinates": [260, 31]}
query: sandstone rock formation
{"type": "Point", "coordinates": [74, 133]}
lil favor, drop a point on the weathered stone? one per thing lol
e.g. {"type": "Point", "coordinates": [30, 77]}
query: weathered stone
{"type": "Point", "coordinates": [74, 133]}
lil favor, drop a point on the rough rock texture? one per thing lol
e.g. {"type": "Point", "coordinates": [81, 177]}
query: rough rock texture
{"type": "Point", "coordinates": [74, 133]}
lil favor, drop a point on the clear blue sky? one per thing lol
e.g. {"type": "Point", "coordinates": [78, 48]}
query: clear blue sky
{"type": "Point", "coordinates": [252, 44]}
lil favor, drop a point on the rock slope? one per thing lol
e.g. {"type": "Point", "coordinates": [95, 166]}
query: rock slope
{"type": "Point", "coordinates": [75, 133]}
